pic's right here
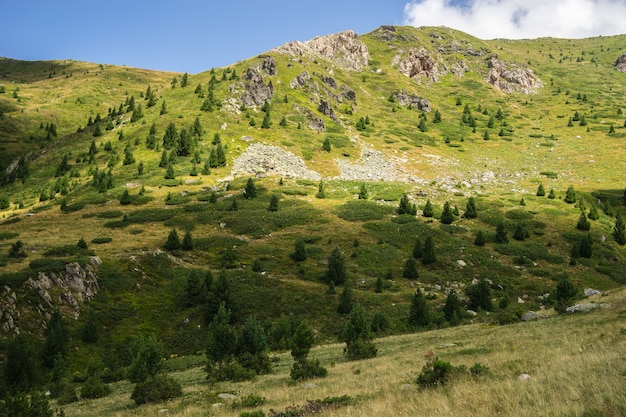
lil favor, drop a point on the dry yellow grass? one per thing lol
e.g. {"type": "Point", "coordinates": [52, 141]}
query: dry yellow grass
{"type": "Point", "coordinates": [576, 363]}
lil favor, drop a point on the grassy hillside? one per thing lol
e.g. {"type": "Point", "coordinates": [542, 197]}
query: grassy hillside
{"type": "Point", "coordinates": [71, 145]}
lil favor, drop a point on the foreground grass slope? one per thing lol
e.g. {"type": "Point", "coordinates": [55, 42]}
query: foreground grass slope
{"type": "Point", "coordinates": [575, 362]}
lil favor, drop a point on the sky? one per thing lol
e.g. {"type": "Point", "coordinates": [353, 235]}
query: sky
{"type": "Point", "coordinates": [197, 35]}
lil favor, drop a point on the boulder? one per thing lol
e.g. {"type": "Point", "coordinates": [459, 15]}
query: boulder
{"type": "Point", "coordinates": [620, 63]}
{"type": "Point", "coordinates": [416, 64]}
{"type": "Point", "coordinates": [585, 308]}
{"type": "Point", "coordinates": [326, 109]}
{"type": "Point", "coordinates": [511, 78]}
{"type": "Point", "coordinates": [314, 121]}
{"type": "Point", "coordinates": [347, 93]}
{"type": "Point", "coordinates": [590, 291]}
{"type": "Point", "coordinates": [531, 315]}
{"type": "Point", "coordinates": [523, 377]}
{"type": "Point", "coordinates": [406, 99]}
{"type": "Point", "coordinates": [269, 64]}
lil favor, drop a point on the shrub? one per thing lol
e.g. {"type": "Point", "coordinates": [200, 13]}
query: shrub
{"type": "Point", "coordinates": [249, 401]}
{"type": "Point", "coordinates": [479, 369]}
{"type": "Point", "coordinates": [101, 240]}
{"type": "Point", "coordinates": [156, 389]}
{"type": "Point", "coordinates": [255, 413]}
{"type": "Point", "coordinates": [435, 373]}
{"type": "Point", "coordinates": [94, 388]}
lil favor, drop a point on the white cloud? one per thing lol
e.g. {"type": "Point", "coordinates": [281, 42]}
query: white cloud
{"type": "Point", "coordinates": [521, 19]}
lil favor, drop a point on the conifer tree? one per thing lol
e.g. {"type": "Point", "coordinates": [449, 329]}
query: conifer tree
{"type": "Point", "coordinates": [406, 207]}
{"type": "Point", "coordinates": [428, 254]}
{"type": "Point", "coordinates": [57, 338]}
{"type": "Point", "coordinates": [520, 232]}
{"type": "Point", "coordinates": [336, 267]}
{"type": "Point", "coordinates": [501, 234]}
{"type": "Point", "coordinates": [583, 223]}
{"type": "Point", "coordinates": [428, 211]}
{"type": "Point", "coordinates": [20, 372]}
{"type": "Point", "coordinates": [479, 296]}
{"type": "Point", "coordinates": [564, 293]}
{"type": "Point", "coordinates": [301, 343]}
{"type": "Point", "coordinates": [551, 194]}
{"type": "Point", "coordinates": [345, 300]}
{"type": "Point", "coordinates": [540, 191]}
{"type": "Point", "coordinates": [619, 230]}
{"type": "Point", "coordinates": [266, 123]}
{"type": "Point", "coordinates": [363, 194]}
{"type": "Point", "coordinates": [446, 215]}
{"type": "Point", "coordinates": [419, 312]}
{"type": "Point", "coordinates": [326, 145]}
{"type": "Point", "coordinates": [410, 269]}
{"type": "Point", "coordinates": [250, 191]}
{"type": "Point", "coordinates": [593, 212]}
{"type": "Point", "coordinates": [452, 310]}
{"type": "Point", "coordinates": [417, 248]}
{"type": "Point", "coordinates": [358, 336]}
{"type": "Point", "coordinates": [585, 249]}
{"type": "Point", "coordinates": [570, 195]}
{"type": "Point", "coordinates": [273, 203]}
{"type": "Point", "coordinates": [321, 190]}
{"type": "Point", "coordinates": [173, 242]}
{"type": "Point", "coordinates": [221, 345]}
{"type": "Point", "coordinates": [470, 209]}
{"type": "Point", "coordinates": [187, 243]}
{"type": "Point", "coordinates": [170, 137]}
{"type": "Point", "coordinates": [299, 254]}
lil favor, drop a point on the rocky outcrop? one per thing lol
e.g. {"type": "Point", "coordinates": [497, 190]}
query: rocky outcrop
{"type": "Point", "coordinates": [620, 64]}
{"type": "Point", "coordinates": [257, 93]}
{"type": "Point", "coordinates": [300, 81]}
{"type": "Point", "coordinates": [330, 81]}
{"type": "Point", "coordinates": [314, 121]}
{"type": "Point", "coordinates": [67, 290]}
{"type": "Point", "coordinates": [417, 64]}
{"type": "Point", "coordinates": [262, 160]}
{"type": "Point", "coordinates": [347, 93]}
{"type": "Point", "coordinates": [403, 98]}
{"type": "Point", "coordinates": [325, 108]}
{"type": "Point", "coordinates": [511, 78]}
{"type": "Point", "coordinates": [269, 65]}
{"type": "Point", "coordinates": [344, 49]}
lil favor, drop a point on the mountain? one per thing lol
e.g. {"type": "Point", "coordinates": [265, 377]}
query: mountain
{"type": "Point", "coordinates": [316, 142]}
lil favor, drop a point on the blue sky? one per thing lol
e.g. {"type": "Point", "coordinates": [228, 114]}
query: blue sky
{"type": "Point", "coordinates": [194, 35]}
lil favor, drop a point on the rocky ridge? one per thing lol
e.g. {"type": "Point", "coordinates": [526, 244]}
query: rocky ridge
{"type": "Point", "coordinates": [345, 49]}
{"type": "Point", "coordinates": [511, 78]}
{"type": "Point", "coordinates": [66, 290]}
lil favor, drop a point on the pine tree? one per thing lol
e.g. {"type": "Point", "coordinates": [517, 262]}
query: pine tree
{"type": "Point", "coordinates": [363, 194]}
{"type": "Point", "coordinates": [299, 254]}
{"type": "Point", "coordinates": [345, 300]}
{"type": "Point", "coordinates": [479, 295]}
{"type": "Point", "coordinates": [358, 336]}
{"type": "Point", "coordinates": [583, 223]}
{"type": "Point", "coordinates": [419, 312]}
{"type": "Point", "coordinates": [540, 191]}
{"type": "Point", "coordinates": [429, 210]}
{"type": "Point", "coordinates": [452, 310]}
{"type": "Point", "coordinates": [593, 212]}
{"type": "Point", "coordinates": [470, 209]}
{"type": "Point", "coordinates": [564, 293]}
{"type": "Point", "coordinates": [379, 285]}
{"type": "Point", "coordinates": [125, 198]}
{"type": "Point", "coordinates": [273, 203]}
{"type": "Point", "coordinates": [57, 338]}
{"type": "Point", "coordinates": [128, 155]}
{"type": "Point", "coordinates": [619, 231]}
{"type": "Point", "coordinates": [417, 248]}
{"type": "Point", "coordinates": [250, 191]}
{"type": "Point", "coordinates": [173, 242]}
{"type": "Point", "coordinates": [221, 345]}
{"type": "Point", "coordinates": [187, 243]}
{"type": "Point", "coordinates": [20, 372]}
{"type": "Point", "coordinates": [551, 194]}
{"type": "Point", "coordinates": [446, 215]}
{"type": "Point", "coordinates": [266, 123]}
{"type": "Point", "coordinates": [336, 267]}
{"type": "Point", "coordinates": [410, 269]}
{"type": "Point", "coordinates": [170, 138]}
{"type": "Point", "coordinates": [501, 234]}
{"type": "Point", "coordinates": [169, 172]}
{"type": "Point", "coordinates": [406, 207]}
{"type": "Point", "coordinates": [570, 195]}
{"type": "Point", "coordinates": [321, 190]}
{"type": "Point", "coordinates": [585, 249]}
{"type": "Point", "coordinates": [428, 255]}
{"type": "Point", "coordinates": [520, 232]}
{"type": "Point", "coordinates": [300, 344]}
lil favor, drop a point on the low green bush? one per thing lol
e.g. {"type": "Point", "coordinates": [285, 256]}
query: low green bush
{"type": "Point", "coordinates": [101, 240]}
{"type": "Point", "coordinates": [156, 389]}
{"type": "Point", "coordinates": [362, 210]}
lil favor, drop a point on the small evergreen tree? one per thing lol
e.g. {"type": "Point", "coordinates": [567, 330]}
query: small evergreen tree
{"type": "Point", "coordinates": [326, 145]}
{"type": "Point", "coordinates": [406, 207]}
{"type": "Point", "coordinates": [187, 243]}
{"type": "Point", "coordinates": [250, 190]}
{"type": "Point", "coordinates": [358, 336]}
{"type": "Point", "coordinates": [336, 267]}
{"type": "Point", "coordinates": [273, 203]}
{"type": "Point", "coordinates": [20, 372]}
{"type": "Point", "coordinates": [379, 285]}
{"type": "Point", "coordinates": [479, 296]}
{"type": "Point", "coordinates": [173, 242]}
{"type": "Point", "coordinates": [410, 269]}
{"type": "Point", "coordinates": [429, 210]}
{"type": "Point", "coordinates": [564, 293]}
{"type": "Point", "coordinates": [345, 300]}
{"type": "Point", "coordinates": [452, 310]}
{"type": "Point", "coordinates": [540, 191]}
{"type": "Point", "coordinates": [520, 232]}
{"type": "Point", "coordinates": [446, 215]}
{"type": "Point", "coordinates": [593, 212]}
{"type": "Point", "coordinates": [419, 312]}
{"type": "Point", "coordinates": [221, 345]}
{"type": "Point", "coordinates": [583, 223]}
{"type": "Point", "coordinates": [551, 194]}
{"type": "Point", "coordinates": [299, 253]}
{"type": "Point", "coordinates": [480, 238]}
{"type": "Point", "coordinates": [57, 339]}
{"type": "Point", "coordinates": [363, 194]}
{"type": "Point", "coordinates": [321, 190]}
{"type": "Point", "coordinates": [470, 209]}
{"type": "Point", "coordinates": [301, 343]}
{"type": "Point", "coordinates": [501, 234]}
{"type": "Point", "coordinates": [570, 195]}
{"type": "Point", "coordinates": [417, 248]}
{"type": "Point", "coordinates": [619, 230]}
{"type": "Point", "coordinates": [428, 254]}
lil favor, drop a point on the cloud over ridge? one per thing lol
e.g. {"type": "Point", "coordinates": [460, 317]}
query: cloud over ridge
{"type": "Point", "coordinates": [521, 19]}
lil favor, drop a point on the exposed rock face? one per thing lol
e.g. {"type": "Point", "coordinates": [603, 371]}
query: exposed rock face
{"type": "Point", "coordinates": [345, 49]}
{"type": "Point", "coordinates": [313, 120]}
{"type": "Point", "coordinates": [65, 290]}
{"type": "Point", "coordinates": [512, 78]}
{"type": "Point", "coordinates": [532, 315]}
{"type": "Point", "coordinates": [262, 160]}
{"type": "Point", "coordinates": [403, 98]}
{"type": "Point", "coordinates": [328, 80]}
{"type": "Point", "coordinates": [269, 65]}
{"type": "Point", "coordinates": [417, 64]}
{"type": "Point", "coordinates": [326, 109]}
{"type": "Point", "coordinates": [620, 64]}
{"type": "Point", "coordinates": [257, 93]}
{"type": "Point", "coordinates": [300, 81]}
{"type": "Point", "coordinates": [347, 93]}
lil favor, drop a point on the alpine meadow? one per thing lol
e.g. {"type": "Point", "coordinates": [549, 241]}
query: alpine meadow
{"type": "Point", "coordinates": [411, 221]}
